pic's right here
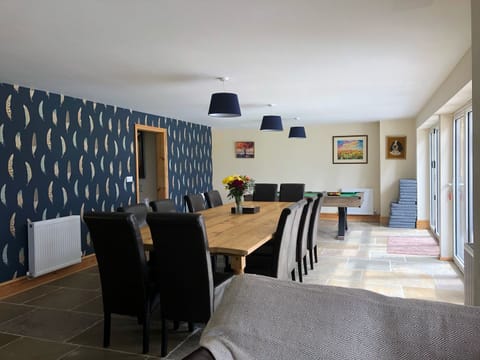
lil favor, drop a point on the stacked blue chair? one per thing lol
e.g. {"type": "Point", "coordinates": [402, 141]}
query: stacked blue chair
{"type": "Point", "coordinates": [403, 214]}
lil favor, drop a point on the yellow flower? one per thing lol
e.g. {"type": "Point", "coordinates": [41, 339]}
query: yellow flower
{"type": "Point", "coordinates": [228, 179]}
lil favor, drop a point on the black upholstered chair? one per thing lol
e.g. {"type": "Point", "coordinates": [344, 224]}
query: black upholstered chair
{"type": "Point", "coordinates": [291, 192]}
{"type": "Point", "coordinates": [195, 202]}
{"type": "Point", "coordinates": [139, 210]}
{"type": "Point", "coordinates": [273, 259]}
{"type": "Point", "coordinates": [301, 252]}
{"type": "Point", "coordinates": [265, 192]}
{"type": "Point", "coordinates": [163, 205]}
{"type": "Point", "coordinates": [313, 228]}
{"type": "Point", "coordinates": [188, 287]}
{"type": "Point", "coordinates": [292, 251]}
{"type": "Point", "coordinates": [127, 288]}
{"type": "Point", "coordinates": [213, 198]}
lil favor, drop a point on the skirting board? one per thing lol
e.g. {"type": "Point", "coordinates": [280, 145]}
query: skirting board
{"type": "Point", "coordinates": [421, 224]}
{"type": "Point", "coordinates": [23, 283]}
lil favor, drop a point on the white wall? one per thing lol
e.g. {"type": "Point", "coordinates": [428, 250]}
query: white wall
{"type": "Point", "coordinates": [475, 4]}
{"type": "Point", "coordinates": [446, 171]}
{"type": "Point", "coordinates": [391, 170]}
{"type": "Point", "coordinates": [280, 159]}
{"type": "Point", "coordinates": [423, 175]}
{"type": "Point", "coordinates": [456, 80]}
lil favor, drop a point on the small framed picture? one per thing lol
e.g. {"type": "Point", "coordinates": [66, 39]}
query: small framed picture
{"type": "Point", "coordinates": [350, 149]}
{"type": "Point", "coordinates": [244, 149]}
{"type": "Point", "coordinates": [396, 147]}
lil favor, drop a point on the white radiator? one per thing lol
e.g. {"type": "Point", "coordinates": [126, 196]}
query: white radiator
{"type": "Point", "coordinates": [53, 244]}
{"type": "Point", "coordinates": [367, 205]}
{"type": "Point", "coordinates": [469, 281]}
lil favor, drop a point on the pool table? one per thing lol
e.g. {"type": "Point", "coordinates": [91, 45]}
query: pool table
{"type": "Point", "coordinates": [342, 201]}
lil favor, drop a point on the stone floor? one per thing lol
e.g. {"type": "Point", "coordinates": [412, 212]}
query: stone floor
{"type": "Point", "coordinates": [63, 319]}
{"type": "Point", "coordinates": [362, 261]}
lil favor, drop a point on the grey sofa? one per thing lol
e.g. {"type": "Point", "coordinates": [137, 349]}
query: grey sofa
{"type": "Point", "coordinates": [265, 318]}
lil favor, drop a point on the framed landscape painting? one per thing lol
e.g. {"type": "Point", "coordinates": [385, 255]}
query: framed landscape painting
{"type": "Point", "coordinates": [244, 149]}
{"type": "Point", "coordinates": [350, 149]}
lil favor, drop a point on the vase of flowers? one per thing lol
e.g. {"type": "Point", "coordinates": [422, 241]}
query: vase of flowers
{"type": "Point", "coordinates": [238, 204]}
{"type": "Point", "coordinates": [237, 186]}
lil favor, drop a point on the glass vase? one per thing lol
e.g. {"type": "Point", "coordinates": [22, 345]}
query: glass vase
{"type": "Point", "coordinates": [238, 204]}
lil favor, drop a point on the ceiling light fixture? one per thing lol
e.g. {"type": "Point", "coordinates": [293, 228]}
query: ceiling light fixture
{"type": "Point", "coordinates": [271, 122]}
{"type": "Point", "coordinates": [224, 104]}
{"type": "Point", "coordinates": [297, 131]}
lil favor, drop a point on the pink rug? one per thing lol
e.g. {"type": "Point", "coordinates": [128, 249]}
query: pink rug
{"type": "Point", "coordinates": [409, 245]}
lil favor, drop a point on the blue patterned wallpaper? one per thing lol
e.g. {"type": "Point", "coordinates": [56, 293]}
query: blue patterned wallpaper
{"type": "Point", "coordinates": [61, 156]}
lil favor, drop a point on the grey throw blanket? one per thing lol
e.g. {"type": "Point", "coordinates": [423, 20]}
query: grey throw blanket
{"type": "Point", "coordinates": [265, 318]}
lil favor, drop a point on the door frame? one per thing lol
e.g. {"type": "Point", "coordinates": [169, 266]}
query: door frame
{"type": "Point", "coordinates": [464, 115]}
{"type": "Point", "coordinates": [161, 155]}
{"type": "Point", "coordinates": [434, 155]}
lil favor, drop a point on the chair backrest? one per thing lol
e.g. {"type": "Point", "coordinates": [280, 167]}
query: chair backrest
{"type": "Point", "coordinates": [139, 210]}
{"type": "Point", "coordinates": [121, 261]}
{"type": "Point", "coordinates": [184, 267]}
{"type": "Point", "coordinates": [292, 248]}
{"type": "Point", "coordinates": [281, 242]}
{"type": "Point", "coordinates": [163, 205]}
{"type": "Point", "coordinates": [265, 192]}
{"type": "Point", "coordinates": [195, 202]}
{"type": "Point", "coordinates": [302, 237]}
{"type": "Point", "coordinates": [313, 226]}
{"type": "Point", "coordinates": [213, 198]}
{"type": "Point", "coordinates": [291, 192]}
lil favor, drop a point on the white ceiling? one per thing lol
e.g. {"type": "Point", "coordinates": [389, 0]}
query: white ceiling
{"type": "Point", "coordinates": [320, 60]}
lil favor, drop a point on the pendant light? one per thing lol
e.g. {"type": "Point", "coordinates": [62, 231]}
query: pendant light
{"type": "Point", "coordinates": [271, 122]}
{"type": "Point", "coordinates": [224, 104]}
{"type": "Point", "coordinates": [297, 131]}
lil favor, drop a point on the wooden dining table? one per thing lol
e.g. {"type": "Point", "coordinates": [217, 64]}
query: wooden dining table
{"type": "Point", "coordinates": [237, 235]}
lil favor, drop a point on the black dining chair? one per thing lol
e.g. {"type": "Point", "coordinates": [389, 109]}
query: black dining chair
{"type": "Point", "coordinates": [189, 288]}
{"type": "Point", "coordinates": [292, 251]}
{"type": "Point", "coordinates": [127, 287]}
{"type": "Point", "coordinates": [313, 228]}
{"type": "Point", "coordinates": [140, 211]}
{"type": "Point", "coordinates": [301, 251]}
{"type": "Point", "coordinates": [265, 192]}
{"type": "Point", "coordinates": [274, 261]}
{"type": "Point", "coordinates": [195, 202]}
{"type": "Point", "coordinates": [213, 198]}
{"type": "Point", "coordinates": [291, 192]}
{"type": "Point", "coordinates": [163, 205]}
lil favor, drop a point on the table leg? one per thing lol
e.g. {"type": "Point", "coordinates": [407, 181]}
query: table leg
{"type": "Point", "coordinates": [237, 264]}
{"type": "Point", "coordinates": [342, 222]}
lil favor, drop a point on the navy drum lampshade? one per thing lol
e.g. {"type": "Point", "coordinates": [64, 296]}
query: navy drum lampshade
{"type": "Point", "coordinates": [297, 132]}
{"type": "Point", "coordinates": [272, 123]}
{"type": "Point", "coordinates": [224, 105]}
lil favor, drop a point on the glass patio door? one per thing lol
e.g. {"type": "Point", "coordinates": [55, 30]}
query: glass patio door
{"type": "Point", "coordinates": [462, 184]}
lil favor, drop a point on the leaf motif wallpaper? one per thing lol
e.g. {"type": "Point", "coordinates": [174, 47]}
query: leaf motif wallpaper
{"type": "Point", "coordinates": [61, 156]}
